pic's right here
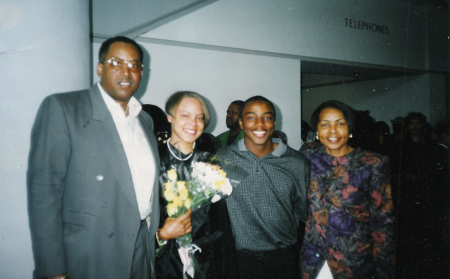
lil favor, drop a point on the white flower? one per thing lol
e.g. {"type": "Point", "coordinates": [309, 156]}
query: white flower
{"type": "Point", "coordinates": [227, 189]}
{"type": "Point", "coordinates": [216, 198]}
{"type": "Point", "coordinates": [210, 181]}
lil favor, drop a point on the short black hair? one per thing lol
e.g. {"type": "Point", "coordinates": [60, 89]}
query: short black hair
{"type": "Point", "coordinates": [416, 116]}
{"type": "Point", "coordinates": [238, 103]}
{"type": "Point", "coordinates": [104, 48]}
{"type": "Point", "coordinates": [258, 98]}
{"type": "Point", "coordinates": [347, 111]}
{"type": "Point", "coordinates": [382, 127]}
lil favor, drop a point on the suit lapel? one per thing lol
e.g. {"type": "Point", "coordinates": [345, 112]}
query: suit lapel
{"type": "Point", "coordinates": [111, 146]}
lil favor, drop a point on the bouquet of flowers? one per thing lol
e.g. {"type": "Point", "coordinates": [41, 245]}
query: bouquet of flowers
{"type": "Point", "coordinates": [207, 180]}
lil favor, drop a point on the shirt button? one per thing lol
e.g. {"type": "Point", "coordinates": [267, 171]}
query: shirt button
{"type": "Point", "coordinates": [99, 177]}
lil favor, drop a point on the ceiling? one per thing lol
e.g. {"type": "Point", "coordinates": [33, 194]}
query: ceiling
{"type": "Point", "coordinates": [135, 17]}
{"type": "Point", "coordinates": [143, 16]}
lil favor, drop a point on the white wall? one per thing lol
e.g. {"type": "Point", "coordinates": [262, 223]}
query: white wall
{"type": "Point", "coordinates": [44, 49]}
{"type": "Point", "coordinates": [309, 28]}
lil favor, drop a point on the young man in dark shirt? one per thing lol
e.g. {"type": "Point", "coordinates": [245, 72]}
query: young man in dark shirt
{"type": "Point", "coordinates": [268, 210]}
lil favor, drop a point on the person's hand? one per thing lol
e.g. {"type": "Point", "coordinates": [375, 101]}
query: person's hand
{"type": "Point", "coordinates": [175, 227]}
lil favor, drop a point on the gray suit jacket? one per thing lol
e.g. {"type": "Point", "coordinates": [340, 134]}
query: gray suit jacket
{"type": "Point", "coordinates": [83, 211]}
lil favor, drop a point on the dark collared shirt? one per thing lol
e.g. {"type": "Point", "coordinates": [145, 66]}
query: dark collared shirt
{"type": "Point", "coordinates": [266, 208]}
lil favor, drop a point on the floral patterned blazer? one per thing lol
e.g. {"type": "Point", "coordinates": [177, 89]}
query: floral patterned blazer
{"type": "Point", "coordinates": [351, 220]}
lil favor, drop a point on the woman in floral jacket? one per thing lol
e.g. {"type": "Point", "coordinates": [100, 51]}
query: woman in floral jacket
{"type": "Point", "coordinates": [351, 221]}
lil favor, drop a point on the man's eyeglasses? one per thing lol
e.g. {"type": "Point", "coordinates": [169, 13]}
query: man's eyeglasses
{"type": "Point", "coordinates": [116, 64]}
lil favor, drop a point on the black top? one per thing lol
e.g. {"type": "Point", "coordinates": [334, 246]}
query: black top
{"type": "Point", "coordinates": [211, 231]}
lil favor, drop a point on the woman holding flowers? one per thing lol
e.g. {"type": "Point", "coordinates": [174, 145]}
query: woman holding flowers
{"type": "Point", "coordinates": [350, 229]}
{"type": "Point", "coordinates": [213, 245]}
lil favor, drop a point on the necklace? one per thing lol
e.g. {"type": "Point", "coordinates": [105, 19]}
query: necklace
{"type": "Point", "coordinates": [170, 150]}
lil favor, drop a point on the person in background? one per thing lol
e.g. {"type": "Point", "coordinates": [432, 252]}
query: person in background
{"type": "Point", "coordinates": [366, 129]}
{"type": "Point", "coordinates": [307, 133]}
{"type": "Point", "coordinates": [277, 134]}
{"type": "Point", "coordinates": [235, 133]}
{"type": "Point", "coordinates": [398, 131]}
{"type": "Point", "coordinates": [442, 131]}
{"type": "Point", "coordinates": [189, 115]}
{"type": "Point", "coordinates": [422, 225]}
{"type": "Point", "coordinates": [350, 228]}
{"type": "Point", "coordinates": [268, 209]}
{"type": "Point", "coordinates": [162, 126]}
{"type": "Point", "coordinates": [92, 173]}
{"type": "Point", "coordinates": [383, 139]}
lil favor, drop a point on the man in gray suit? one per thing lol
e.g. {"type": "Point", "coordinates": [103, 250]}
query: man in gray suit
{"type": "Point", "coordinates": [93, 176]}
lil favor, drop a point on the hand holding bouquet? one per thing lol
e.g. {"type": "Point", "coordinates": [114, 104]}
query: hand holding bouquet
{"type": "Point", "coordinates": [207, 180]}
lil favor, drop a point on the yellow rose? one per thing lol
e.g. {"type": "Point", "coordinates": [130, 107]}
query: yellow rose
{"type": "Point", "coordinates": [222, 173]}
{"type": "Point", "coordinates": [172, 209]}
{"type": "Point", "coordinates": [177, 201]}
{"type": "Point", "coordinates": [219, 183]}
{"type": "Point", "coordinates": [181, 185]}
{"type": "Point", "coordinates": [169, 195]}
{"type": "Point", "coordinates": [168, 186]}
{"type": "Point", "coordinates": [183, 194]}
{"type": "Point", "coordinates": [172, 174]}
{"type": "Point", "coordinates": [187, 203]}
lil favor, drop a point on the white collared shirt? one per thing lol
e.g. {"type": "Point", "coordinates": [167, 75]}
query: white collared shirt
{"type": "Point", "coordinates": [137, 149]}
